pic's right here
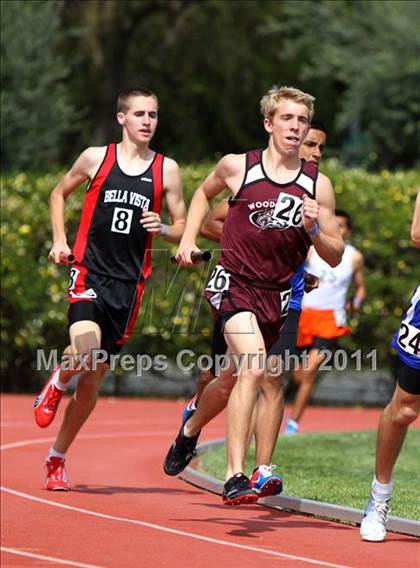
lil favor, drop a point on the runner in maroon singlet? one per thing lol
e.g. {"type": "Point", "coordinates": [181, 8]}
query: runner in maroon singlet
{"type": "Point", "coordinates": [120, 216]}
{"type": "Point", "coordinates": [279, 207]}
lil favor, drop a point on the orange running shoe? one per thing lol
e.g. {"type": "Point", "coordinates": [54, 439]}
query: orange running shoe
{"type": "Point", "coordinates": [46, 403]}
{"type": "Point", "coordinates": [56, 475]}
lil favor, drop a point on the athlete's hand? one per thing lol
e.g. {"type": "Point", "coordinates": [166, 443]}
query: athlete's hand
{"type": "Point", "coordinates": [151, 222]}
{"type": "Point", "coordinates": [311, 282]}
{"type": "Point", "coordinates": [310, 212]}
{"type": "Point", "coordinates": [58, 253]}
{"type": "Point", "coordinates": [353, 306]}
{"type": "Point", "coordinates": [183, 254]}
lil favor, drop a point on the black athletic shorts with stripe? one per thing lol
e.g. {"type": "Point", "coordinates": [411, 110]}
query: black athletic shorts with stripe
{"type": "Point", "coordinates": [111, 303]}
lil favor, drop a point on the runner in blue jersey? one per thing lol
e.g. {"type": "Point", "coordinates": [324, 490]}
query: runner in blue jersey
{"type": "Point", "coordinates": [403, 409]}
{"type": "Point", "coordinates": [407, 343]}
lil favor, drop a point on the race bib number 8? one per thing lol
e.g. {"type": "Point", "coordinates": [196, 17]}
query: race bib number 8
{"type": "Point", "coordinates": [121, 220]}
{"type": "Point", "coordinates": [74, 273]}
{"type": "Point", "coordinates": [288, 210]}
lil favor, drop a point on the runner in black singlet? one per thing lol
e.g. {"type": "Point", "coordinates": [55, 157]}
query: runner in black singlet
{"type": "Point", "coordinates": [112, 250]}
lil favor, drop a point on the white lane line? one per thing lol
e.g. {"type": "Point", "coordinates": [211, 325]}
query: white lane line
{"type": "Point", "coordinates": [194, 536]}
{"type": "Point", "coordinates": [35, 441]}
{"type": "Point", "coordinates": [47, 558]}
{"type": "Point", "coordinates": [169, 421]}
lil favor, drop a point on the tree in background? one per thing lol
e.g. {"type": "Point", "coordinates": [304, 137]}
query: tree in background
{"type": "Point", "coordinates": [37, 112]}
{"type": "Point", "coordinates": [369, 52]}
{"type": "Point", "coordinates": [209, 62]}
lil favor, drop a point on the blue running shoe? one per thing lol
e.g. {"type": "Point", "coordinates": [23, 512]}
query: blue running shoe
{"type": "Point", "coordinates": [265, 481]}
{"type": "Point", "coordinates": [292, 428]}
{"type": "Point", "coordinates": [189, 410]}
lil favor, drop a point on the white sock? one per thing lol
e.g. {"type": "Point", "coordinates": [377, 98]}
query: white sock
{"type": "Point", "coordinates": [381, 491]}
{"type": "Point", "coordinates": [57, 383]}
{"type": "Point", "coordinates": [54, 454]}
{"type": "Point", "coordinates": [293, 423]}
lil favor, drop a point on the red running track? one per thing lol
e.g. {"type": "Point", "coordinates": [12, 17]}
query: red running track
{"type": "Point", "coordinates": [124, 512]}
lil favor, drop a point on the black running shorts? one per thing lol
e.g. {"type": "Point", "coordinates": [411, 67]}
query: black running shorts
{"type": "Point", "coordinates": [111, 303]}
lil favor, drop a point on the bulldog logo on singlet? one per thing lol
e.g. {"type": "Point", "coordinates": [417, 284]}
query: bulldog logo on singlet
{"type": "Point", "coordinates": [269, 214]}
{"type": "Point", "coordinates": [265, 220]}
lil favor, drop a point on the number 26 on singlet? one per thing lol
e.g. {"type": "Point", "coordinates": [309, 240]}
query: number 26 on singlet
{"type": "Point", "coordinates": [121, 220]}
{"type": "Point", "coordinates": [219, 280]}
{"type": "Point", "coordinates": [288, 210]}
{"type": "Point", "coordinates": [285, 296]}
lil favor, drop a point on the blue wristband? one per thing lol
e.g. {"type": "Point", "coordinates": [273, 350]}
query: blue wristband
{"type": "Point", "coordinates": [164, 230]}
{"type": "Point", "coordinates": [314, 230]}
{"type": "Point", "coordinates": [357, 302]}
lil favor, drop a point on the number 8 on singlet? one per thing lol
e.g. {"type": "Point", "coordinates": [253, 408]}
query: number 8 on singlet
{"type": "Point", "coordinates": [121, 220]}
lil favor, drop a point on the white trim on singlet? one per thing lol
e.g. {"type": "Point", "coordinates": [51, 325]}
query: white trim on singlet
{"type": "Point", "coordinates": [307, 183]}
{"type": "Point", "coordinates": [254, 174]}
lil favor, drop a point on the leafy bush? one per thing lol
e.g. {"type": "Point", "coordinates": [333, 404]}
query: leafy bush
{"type": "Point", "coordinates": [173, 316]}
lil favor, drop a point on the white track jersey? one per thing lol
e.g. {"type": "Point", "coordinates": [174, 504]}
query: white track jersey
{"type": "Point", "coordinates": [333, 282]}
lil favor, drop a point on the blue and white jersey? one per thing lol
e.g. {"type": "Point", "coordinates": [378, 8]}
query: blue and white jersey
{"type": "Point", "coordinates": [297, 283]}
{"type": "Point", "coordinates": [407, 339]}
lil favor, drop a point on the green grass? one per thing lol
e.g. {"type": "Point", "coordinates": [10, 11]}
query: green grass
{"type": "Point", "coordinates": [337, 468]}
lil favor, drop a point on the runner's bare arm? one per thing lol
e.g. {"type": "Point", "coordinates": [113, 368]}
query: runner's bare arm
{"type": "Point", "coordinates": [212, 227]}
{"type": "Point", "coordinates": [415, 225]}
{"type": "Point", "coordinates": [319, 220]}
{"type": "Point", "coordinates": [175, 203]}
{"type": "Point", "coordinates": [83, 169]}
{"type": "Point", "coordinates": [227, 173]}
{"type": "Point", "coordinates": [358, 281]}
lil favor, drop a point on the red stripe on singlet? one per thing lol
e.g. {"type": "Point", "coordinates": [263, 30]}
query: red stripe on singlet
{"type": "Point", "coordinates": [134, 314]}
{"type": "Point", "coordinates": [157, 175]}
{"type": "Point", "coordinates": [89, 204]}
{"type": "Point", "coordinates": [79, 286]}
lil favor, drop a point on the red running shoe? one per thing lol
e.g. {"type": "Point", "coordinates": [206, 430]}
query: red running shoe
{"type": "Point", "coordinates": [265, 481]}
{"type": "Point", "coordinates": [56, 475]}
{"type": "Point", "coordinates": [46, 404]}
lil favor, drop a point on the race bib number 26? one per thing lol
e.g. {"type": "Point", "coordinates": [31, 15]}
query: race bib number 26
{"type": "Point", "coordinates": [219, 280]}
{"type": "Point", "coordinates": [288, 210]}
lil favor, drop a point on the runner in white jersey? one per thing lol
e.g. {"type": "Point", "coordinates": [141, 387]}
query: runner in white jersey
{"type": "Point", "coordinates": [403, 409]}
{"type": "Point", "coordinates": [334, 282]}
{"type": "Point", "coordinates": [324, 315]}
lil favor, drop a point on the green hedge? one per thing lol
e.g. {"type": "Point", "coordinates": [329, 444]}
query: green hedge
{"type": "Point", "coordinates": [173, 317]}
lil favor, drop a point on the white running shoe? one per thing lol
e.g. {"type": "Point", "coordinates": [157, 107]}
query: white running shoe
{"type": "Point", "coordinates": [373, 524]}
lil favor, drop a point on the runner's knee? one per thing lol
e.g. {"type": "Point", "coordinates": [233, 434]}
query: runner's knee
{"type": "Point", "coordinates": [405, 414]}
{"type": "Point", "coordinates": [254, 374]}
{"type": "Point", "coordinates": [272, 386]}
